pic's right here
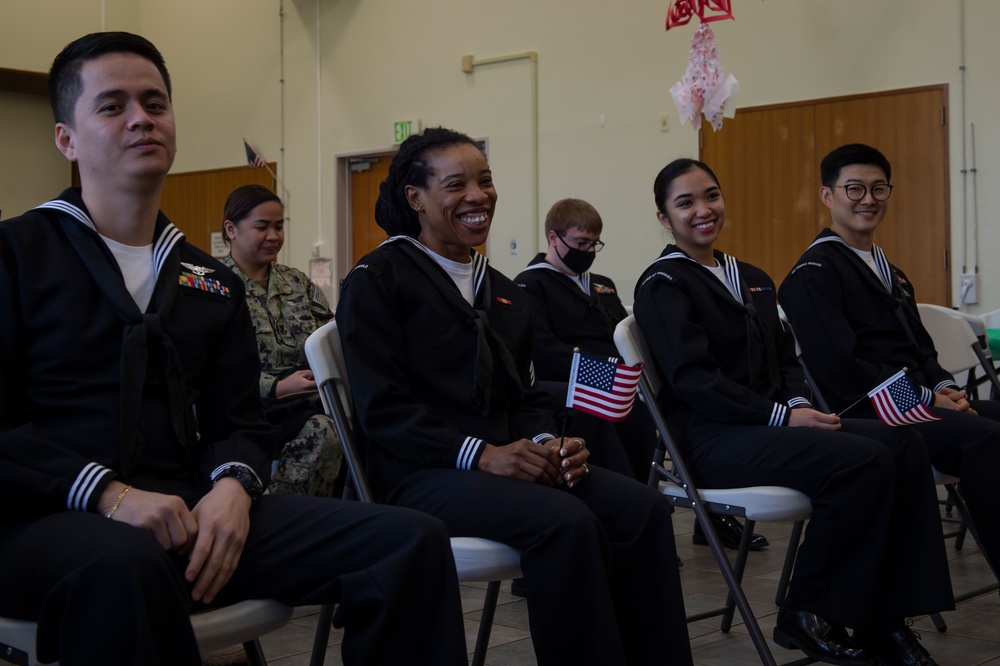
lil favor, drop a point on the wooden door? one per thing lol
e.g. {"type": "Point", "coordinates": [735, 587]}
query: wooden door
{"type": "Point", "coordinates": [367, 173]}
{"type": "Point", "coordinates": [767, 159]}
{"type": "Point", "coordinates": [909, 127]}
{"type": "Point", "coordinates": [366, 176]}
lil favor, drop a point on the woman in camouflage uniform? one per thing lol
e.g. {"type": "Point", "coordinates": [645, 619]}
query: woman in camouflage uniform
{"type": "Point", "coordinates": [285, 307]}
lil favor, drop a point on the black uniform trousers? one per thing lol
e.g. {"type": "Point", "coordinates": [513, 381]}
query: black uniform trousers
{"type": "Point", "coordinates": [873, 550]}
{"type": "Point", "coordinates": [106, 593]}
{"type": "Point", "coordinates": [969, 447]}
{"type": "Point", "coordinates": [595, 556]}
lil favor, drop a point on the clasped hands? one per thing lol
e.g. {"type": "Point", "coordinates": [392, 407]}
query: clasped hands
{"type": "Point", "coordinates": [558, 460]}
{"type": "Point", "coordinates": [949, 398]}
{"type": "Point", "coordinates": [212, 534]}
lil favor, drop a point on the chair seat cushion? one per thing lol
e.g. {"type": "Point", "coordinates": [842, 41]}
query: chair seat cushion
{"type": "Point", "coordinates": [759, 502]}
{"type": "Point", "coordinates": [484, 560]}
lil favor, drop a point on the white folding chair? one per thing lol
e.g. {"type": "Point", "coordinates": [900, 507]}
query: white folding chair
{"type": "Point", "coordinates": [757, 503]}
{"type": "Point", "coordinates": [959, 349]}
{"type": "Point", "coordinates": [214, 629]}
{"type": "Point", "coordinates": [477, 560]}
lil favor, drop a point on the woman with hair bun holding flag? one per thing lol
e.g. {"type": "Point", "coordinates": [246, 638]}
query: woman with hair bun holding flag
{"type": "Point", "coordinates": [437, 345]}
{"type": "Point", "coordinates": [737, 403]}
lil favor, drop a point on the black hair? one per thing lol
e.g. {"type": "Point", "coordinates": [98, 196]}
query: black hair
{"type": "Point", "coordinates": [852, 153]}
{"type": "Point", "coordinates": [241, 203]}
{"type": "Point", "coordinates": [674, 170]}
{"type": "Point", "coordinates": [65, 84]}
{"type": "Point", "coordinates": [409, 167]}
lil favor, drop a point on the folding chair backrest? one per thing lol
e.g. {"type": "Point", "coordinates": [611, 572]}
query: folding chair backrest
{"type": "Point", "coordinates": [953, 338]}
{"type": "Point", "coordinates": [633, 348]}
{"type": "Point", "coordinates": [326, 360]}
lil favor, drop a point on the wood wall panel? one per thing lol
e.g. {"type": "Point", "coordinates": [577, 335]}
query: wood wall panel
{"type": "Point", "coordinates": [767, 160]}
{"type": "Point", "coordinates": [770, 198]}
{"type": "Point", "coordinates": [194, 201]}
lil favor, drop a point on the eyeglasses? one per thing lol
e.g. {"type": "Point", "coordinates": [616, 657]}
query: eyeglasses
{"type": "Point", "coordinates": [856, 192]}
{"type": "Point", "coordinates": [581, 244]}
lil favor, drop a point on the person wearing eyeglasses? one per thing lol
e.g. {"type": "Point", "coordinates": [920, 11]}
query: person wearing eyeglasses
{"type": "Point", "coordinates": [855, 316]}
{"type": "Point", "coordinates": [572, 307]}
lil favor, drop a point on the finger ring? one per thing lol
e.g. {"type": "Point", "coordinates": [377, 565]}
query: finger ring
{"type": "Point", "coordinates": [580, 444]}
{"type": "Point", "coordinates": [586, 470]}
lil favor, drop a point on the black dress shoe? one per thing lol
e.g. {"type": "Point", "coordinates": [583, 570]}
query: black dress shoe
{"type": "Point", "coordinates": [730, 532]}
{"type": "Point", "coordinates": [519, 588]}
{"type": "Point", "coordinates": [895, 648]}
{"type": "Point", "coordinates": [819, 639]}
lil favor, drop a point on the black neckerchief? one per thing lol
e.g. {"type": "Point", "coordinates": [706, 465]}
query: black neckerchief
{"type": "Point", "coordinates": [141, 329]}
{"type": "Point", "coordinates": [884, 282]}
{"type": "Point", "coordinates": [755, 324]}
{"type": "Point", "coordinates": [489, 345]}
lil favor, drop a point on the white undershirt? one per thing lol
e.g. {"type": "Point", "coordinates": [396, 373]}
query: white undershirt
{"type": "Point", "coordinates": [867, 258]}
{"type": "Point", "coordinates": [460, 273]}
{"type": "Point", "coordinates": [136, 264]}
{"type": "Point", "coordinates": [720, 272]}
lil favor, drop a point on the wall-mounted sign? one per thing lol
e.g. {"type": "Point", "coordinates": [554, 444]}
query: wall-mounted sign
{"type": "Point", "coordinates": [401, 129]}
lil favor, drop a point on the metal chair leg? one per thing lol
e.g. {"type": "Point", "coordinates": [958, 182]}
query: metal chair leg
{"type": "Point", "coordinates": [786, 569]}
{"type": "Point", "coordinates": [255, 654]}
{"type": "Point", "coordinates": [738, 568]}
{"type": "Point", "coordinates": [322, 637]}
{"type": "Point", "coordinates": [486, 623]}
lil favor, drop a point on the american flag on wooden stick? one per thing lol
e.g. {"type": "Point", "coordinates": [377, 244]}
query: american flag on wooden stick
{"type": "Point", "coordinates": [602, 387]}
{"type": "Point", "coordinates": [898, 403]}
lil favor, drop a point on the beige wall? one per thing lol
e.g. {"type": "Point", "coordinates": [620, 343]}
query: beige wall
{"type": "Point", "coordinates": [383, 60]}
{"type": "Point", "coordinates": [31, 169]}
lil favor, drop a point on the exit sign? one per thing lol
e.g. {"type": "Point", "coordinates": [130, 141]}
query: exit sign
{"type": "Point", "coordinates": [401, 129]}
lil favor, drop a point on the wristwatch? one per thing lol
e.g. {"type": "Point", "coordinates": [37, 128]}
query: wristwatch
{"type": "Point", "coordinates": [246, 478]}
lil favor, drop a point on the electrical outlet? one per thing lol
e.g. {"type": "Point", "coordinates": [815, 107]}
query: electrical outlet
{"type": "Point", "coordinates": [969, 294]}
{"type": "Point", "coordinates": [513, 246]}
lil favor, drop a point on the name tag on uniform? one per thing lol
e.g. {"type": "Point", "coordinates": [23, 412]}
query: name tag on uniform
{"type": "Point", "coordinates": [202, 283]}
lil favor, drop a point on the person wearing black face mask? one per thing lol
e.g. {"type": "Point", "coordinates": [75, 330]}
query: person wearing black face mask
{"type": "Point", "coordinates": [572, 307]}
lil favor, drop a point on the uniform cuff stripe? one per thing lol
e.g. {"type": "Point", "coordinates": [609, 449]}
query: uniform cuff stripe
{"type": "Point", "coordinates": [83, 487]}
{"type": "Point", "coordinates": [466, 454]}
{"type": "Point", "coordinates": [777, 415]}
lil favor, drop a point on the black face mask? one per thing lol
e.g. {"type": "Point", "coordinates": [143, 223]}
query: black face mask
{"type": "Point", "coordinates": [576, 260]}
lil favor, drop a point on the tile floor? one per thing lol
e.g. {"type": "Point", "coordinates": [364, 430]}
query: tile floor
{"type": "Point", "coordinates": [972, 637]}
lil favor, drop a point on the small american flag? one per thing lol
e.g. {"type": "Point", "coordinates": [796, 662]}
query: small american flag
{"type": "Point", "coordinates": [897, 402]}
{"type": "Point", "coordinates": [253, 159]}
{"type": "Point", "coordinates": [602, 387]}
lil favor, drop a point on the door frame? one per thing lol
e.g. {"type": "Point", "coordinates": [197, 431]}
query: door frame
{"type": "Point", "coordinates": [342, 197]}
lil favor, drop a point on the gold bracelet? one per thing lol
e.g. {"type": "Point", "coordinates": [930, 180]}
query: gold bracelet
{"type": "Point", "coordinates": [118, 501]}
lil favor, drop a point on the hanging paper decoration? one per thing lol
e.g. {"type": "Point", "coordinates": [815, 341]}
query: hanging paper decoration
{"type": "Point", "coordinates": [705, 88]}
{"type": "Point", "coordinates": [681, 11]}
